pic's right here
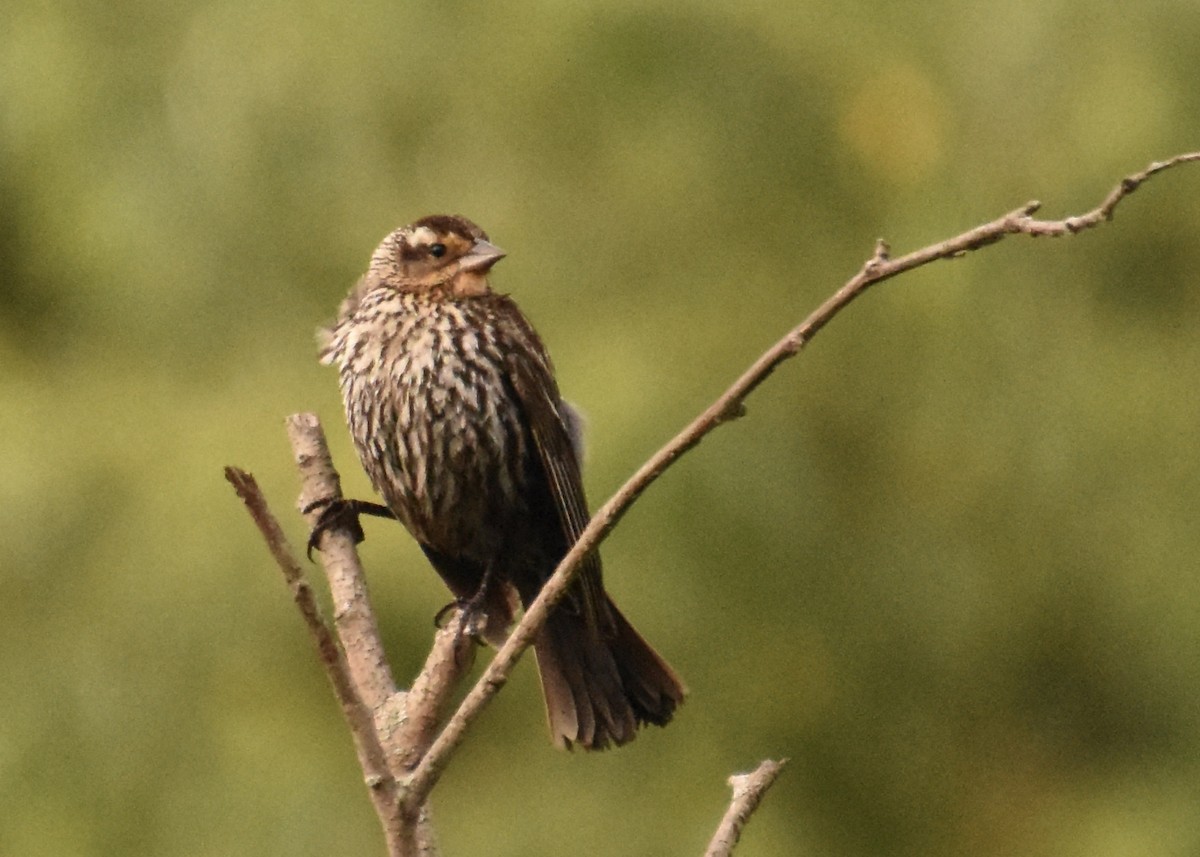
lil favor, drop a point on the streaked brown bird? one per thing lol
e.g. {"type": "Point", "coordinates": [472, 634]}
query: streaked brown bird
{"type": "Point", "coordinates": [451, 400]}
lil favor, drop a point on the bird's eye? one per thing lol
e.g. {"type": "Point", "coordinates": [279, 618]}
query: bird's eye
{"type": "Point", "coordinates": [437, 251]}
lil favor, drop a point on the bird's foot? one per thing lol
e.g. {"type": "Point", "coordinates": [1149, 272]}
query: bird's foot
{"type": "Point", "coordinates": [472, 618]}
{"type": "Point", "coordinates": [339, 514]}
{"type": "Point", "coordinates": [472, 621]}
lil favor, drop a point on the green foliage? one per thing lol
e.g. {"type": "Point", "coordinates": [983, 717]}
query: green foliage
{"type": "Point", "coordinates": [946, 564]}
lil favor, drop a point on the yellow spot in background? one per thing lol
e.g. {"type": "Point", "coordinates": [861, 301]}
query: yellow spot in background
{"type": "Point", "coordinates": [894, 122]}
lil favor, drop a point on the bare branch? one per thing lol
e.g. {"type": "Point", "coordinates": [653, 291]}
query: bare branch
{"type": "Point", "coordinates": [748, 791]}
{"type": "Point", "coordinates": [406, 722]}
{"type": "Point", "coordinates": [729, 406]}
{"type": "Point", "coordinates": [449, 661]}
{"type": "Point", "coordinates": [352, 613]}
{"type": "Point", "coordinates": [371, 757]}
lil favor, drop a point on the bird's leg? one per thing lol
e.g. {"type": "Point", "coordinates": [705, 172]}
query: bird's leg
{"type": "Point", "coordinates": [475, 602]}
{"type": "Point", "coordinates": [470, 608]}
{"type": "Point", "coordinates": [342, 515]}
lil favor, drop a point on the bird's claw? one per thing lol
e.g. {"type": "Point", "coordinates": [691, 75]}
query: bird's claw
{"type": "Point", "coordinates": [336, 515]}
{"type": "Point", "coordinates": [440, 617]}
{"type": "Point", "coordinates": [340, 514]}
{"type": "Point", "coordinates": [471, 619]}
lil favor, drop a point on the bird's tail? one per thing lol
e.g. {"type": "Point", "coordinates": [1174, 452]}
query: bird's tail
{"type": "Point", "coordinates": [601, 680]}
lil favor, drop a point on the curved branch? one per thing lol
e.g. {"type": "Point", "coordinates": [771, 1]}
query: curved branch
{"type": "Point", "coordinates": [728, 406]}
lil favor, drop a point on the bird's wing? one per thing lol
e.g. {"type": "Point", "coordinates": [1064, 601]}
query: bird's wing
{"type": "Point", "coordinates": [532, 377]}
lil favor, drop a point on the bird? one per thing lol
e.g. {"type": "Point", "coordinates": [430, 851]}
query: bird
{"type": "Point", "coordinates": [456, 416]}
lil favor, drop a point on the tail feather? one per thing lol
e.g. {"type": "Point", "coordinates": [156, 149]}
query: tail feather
{"type": "Point", "coordinates": [599, 690]}
{"type": "Point", "coordinates": [652, 687]}
{"type": "Point", "coordinates": [600, 679]}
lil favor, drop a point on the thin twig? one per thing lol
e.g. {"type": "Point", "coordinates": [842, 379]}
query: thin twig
{"type": "Point", "coordinates": [729, 406]}
{"type": "Point", "coordinates": [371, 756]}
{"type": "Point", "coordinates": [748, 791]}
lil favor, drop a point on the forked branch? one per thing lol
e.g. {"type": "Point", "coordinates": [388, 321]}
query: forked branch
{"type": "Point", "coordinates": [387, 760]}
{"type": "Point", "coordinates": [372, 757]}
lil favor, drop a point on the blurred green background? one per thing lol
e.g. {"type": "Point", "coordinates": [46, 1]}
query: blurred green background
{"type": "Point", "coordinates": [947, 564]}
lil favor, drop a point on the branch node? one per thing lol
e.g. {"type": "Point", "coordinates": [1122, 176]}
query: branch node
{"type": "Point", "coordinates": [734, 411]}
{"type": "Point", "coordinates": [880, 256]}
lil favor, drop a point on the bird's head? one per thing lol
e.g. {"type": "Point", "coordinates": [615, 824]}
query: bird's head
{"type": "Point", "coordinates": [441, 253]}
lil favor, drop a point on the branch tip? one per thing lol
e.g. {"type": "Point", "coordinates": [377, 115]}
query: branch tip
{"type": "Point", "coordinates": [748, 791]}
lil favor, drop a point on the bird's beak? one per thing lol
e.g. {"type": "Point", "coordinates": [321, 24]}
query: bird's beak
{"type": "Point", "coordinates": [482, 256]}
